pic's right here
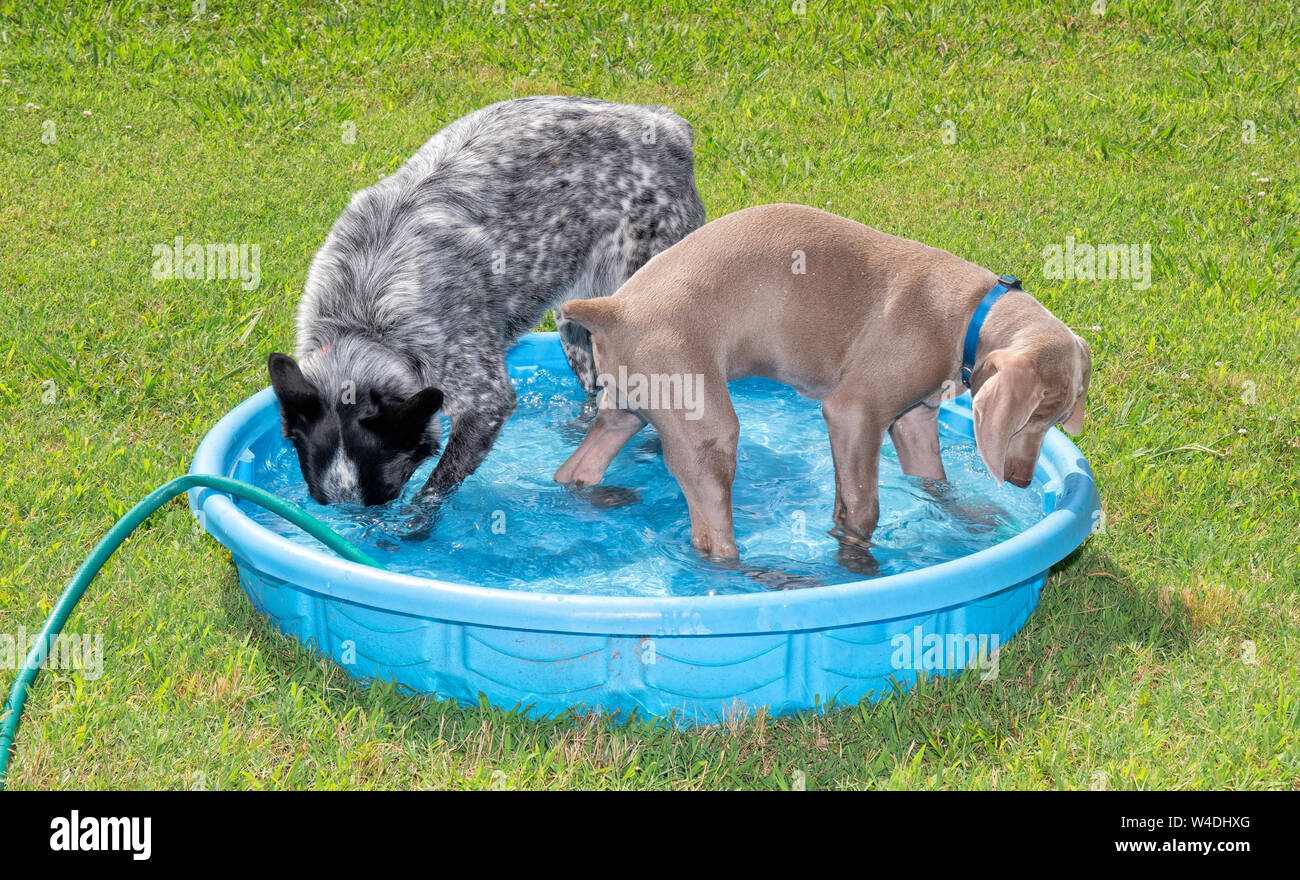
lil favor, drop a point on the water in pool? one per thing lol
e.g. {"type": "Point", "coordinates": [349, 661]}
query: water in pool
{"type": "Point", "coordinates": [510, 527]}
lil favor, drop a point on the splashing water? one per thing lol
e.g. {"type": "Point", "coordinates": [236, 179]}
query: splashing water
{"type": "Point", "coordinates": [509, 526]}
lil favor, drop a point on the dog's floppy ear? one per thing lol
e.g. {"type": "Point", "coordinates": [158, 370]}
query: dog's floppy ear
{"type": "Point", "coordinates": [1073, 423]}
{"type": "Point", "coordinates": [299, 399]}
{"type": "Point", "coordinates": [404, 421]}
{"type": "Point", "coordinates": [594, 314]}
{"type": "Point", "coordinates": [1006, 391]}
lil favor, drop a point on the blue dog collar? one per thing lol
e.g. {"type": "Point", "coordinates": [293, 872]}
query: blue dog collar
{"type": "Point", "coordinates": [1005, 283]}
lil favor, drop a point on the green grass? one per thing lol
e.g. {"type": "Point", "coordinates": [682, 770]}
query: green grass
{"type": "Point", "coordinates": [227, 126]}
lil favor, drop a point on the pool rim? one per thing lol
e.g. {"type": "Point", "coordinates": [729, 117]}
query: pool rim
{"type": "Point", "coordinates": [1068, 485]}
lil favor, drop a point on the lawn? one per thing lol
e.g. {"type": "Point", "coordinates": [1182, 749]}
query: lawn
{"type": "Point", "coordinates": [1164, 653]}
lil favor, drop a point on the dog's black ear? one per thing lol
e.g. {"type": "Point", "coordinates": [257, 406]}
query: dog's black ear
{"type": "Point", "coordinates": [299, 399]}
{"type": "Point", "coordinates": [405, 421]}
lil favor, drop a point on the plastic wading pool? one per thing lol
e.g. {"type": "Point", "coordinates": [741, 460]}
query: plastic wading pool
{"type": "Point", "coordinates": [697, 659]}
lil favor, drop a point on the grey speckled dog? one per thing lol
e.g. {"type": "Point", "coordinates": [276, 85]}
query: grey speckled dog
{"type": "Point", "coordinates": [430, 275]}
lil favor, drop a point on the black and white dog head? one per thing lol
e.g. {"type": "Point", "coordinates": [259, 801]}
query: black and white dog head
{"type": "Point", "coordinates": [359, 440]}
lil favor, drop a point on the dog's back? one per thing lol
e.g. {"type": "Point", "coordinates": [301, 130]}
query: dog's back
{"type": "Point", "coordinates": [495, 216]}
{"type": "Point", "coordinates": [429, 275]}
{"type": "Point", "coordinates": [785, 291]}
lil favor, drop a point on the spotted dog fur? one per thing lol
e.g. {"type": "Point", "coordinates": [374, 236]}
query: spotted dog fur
{"type": "Point", "coordinates": [429, 276]}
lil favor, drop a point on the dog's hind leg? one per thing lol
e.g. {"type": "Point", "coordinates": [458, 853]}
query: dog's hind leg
{"type": "Point", "coordinates": [608, 434]}
{"type": "Point", "coordinates": [644, 232]}
{"type": "Point", "coordinates": [702, 457]}
{"type": "Point", "coordinates": [605, 273]}
{"type": "Point", "coordinates": [576, 342]}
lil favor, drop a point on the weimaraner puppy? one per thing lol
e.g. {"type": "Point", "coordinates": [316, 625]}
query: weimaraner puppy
{"type": "Point", "coordinates": [872, 325]}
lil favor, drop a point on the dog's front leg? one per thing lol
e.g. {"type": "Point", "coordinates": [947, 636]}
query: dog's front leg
{"type": "Point", "coordinates": [916, 440]}
{"type": "Point", "coordinates": [479, 400]}
{"type": "Point", "coordinates": [472, 435]}
{"type": "Point", "coordinates": [857, 433]}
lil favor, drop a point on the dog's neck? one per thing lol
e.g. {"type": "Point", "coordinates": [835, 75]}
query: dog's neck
{"type": "Point", "coordinates": [1017, 320]}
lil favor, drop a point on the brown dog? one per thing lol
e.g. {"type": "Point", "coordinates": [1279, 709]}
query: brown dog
{"type": "Point", "coordinates": [870, 324]}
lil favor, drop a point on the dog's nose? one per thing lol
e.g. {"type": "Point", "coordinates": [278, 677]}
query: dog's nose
{"type": "Point", "coordinates": [1022, 482]}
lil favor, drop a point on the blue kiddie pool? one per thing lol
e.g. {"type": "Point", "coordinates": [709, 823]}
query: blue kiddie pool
{"type": "Point", "coordinates": [543, 599]}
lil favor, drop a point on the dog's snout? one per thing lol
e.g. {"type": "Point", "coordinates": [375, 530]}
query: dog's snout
{"type": "Point", "coordinates": [1020, 473]}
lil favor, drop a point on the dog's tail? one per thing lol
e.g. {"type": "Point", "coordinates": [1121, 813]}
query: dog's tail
{"type": "Point", "coordinates": [596, 315]}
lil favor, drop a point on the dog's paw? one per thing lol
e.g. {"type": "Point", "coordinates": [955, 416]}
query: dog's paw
{"type": "Point", "coordinates": [849, 538]}
{"type": "Point", "coordinates": [780, 579]}
{"type": "Point", "coordinates": [607, 497]}
{"type": "Point", "coordinates": [416, 523]}
{"type": "Point", "coordinates": [857, 558]}
{"type": "Point", "coordinates": [983, 517]}
{"type": "Point", "coordinates": [977, 518]}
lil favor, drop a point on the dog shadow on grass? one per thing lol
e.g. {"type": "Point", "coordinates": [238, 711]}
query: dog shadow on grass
{"type": "Point", "coordinates": [1091, 613]}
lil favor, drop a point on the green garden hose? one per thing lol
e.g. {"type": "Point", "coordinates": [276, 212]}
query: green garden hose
{"type": "Point", "coordinates": [108, 546]}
